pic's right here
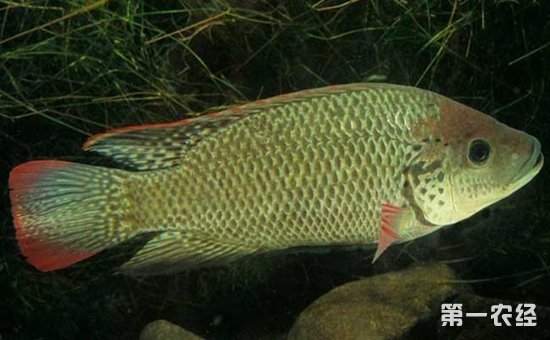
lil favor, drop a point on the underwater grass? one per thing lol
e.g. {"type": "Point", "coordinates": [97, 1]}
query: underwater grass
{"type": "Point", "coordinates": [70, 69]}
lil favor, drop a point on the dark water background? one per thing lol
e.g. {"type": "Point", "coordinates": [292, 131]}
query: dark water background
{"type": "Point", "coordinates": [119, 63]}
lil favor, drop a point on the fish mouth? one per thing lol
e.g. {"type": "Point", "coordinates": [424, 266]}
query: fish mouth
{"type": "Point", "coordinates": [532, 165]}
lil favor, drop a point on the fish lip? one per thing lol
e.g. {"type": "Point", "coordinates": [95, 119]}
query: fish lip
{"type": "Point", "coordinates": [532, 165]}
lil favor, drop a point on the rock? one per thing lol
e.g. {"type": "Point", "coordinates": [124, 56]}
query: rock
{"type": "Point", "coordinates": [164, 330]}
{"type": "Point", "coordinates": [379, 307]}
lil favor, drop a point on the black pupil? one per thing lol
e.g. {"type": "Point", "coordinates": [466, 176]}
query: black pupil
{"type": "Point", "coordinates": [479, 151]}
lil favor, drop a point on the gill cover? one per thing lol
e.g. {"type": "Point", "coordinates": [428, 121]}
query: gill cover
{"type": "Point", "coordinates": [431, 192]}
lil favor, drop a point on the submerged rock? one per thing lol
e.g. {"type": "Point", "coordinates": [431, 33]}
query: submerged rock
{"type": "Point", "coordinates": [164, 330]}
{"type": "Point", "coordinates": [379, 307]}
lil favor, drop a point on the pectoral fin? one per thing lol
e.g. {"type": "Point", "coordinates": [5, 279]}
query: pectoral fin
{"type": "Point", "coordinates": [392, 218]}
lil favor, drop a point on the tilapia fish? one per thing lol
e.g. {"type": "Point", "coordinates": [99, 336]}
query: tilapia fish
{"type": "Point", "coordinates": [350, 164]}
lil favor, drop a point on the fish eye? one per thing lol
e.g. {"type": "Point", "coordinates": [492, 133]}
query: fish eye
{"type": "Point", "coordinates": [479, 151]}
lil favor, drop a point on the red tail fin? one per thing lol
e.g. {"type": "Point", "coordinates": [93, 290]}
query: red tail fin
{"type": "Point", "coordinates": [56, 207]}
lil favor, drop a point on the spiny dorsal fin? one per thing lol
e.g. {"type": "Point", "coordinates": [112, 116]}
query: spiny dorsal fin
{"type": "Point", "coordinates": [158, 146]}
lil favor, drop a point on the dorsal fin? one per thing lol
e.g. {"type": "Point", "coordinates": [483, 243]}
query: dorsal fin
{"type": "Point", "coordinates": [154, 146]}
{"type": "Point", "coordinates": [158, 146]}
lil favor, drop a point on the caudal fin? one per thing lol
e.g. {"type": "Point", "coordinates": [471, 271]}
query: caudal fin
{"type": "Point", "coordinates": [65, 212]}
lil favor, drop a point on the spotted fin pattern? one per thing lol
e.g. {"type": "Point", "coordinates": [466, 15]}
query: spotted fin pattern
{"type": "Point", "coordinates": [155, 146]}
{"type": "Point", "coordinates": [63, 212]}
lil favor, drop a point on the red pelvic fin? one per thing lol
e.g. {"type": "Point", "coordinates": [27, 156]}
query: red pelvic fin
{"type": "Point", "coordinates": [388, 234]}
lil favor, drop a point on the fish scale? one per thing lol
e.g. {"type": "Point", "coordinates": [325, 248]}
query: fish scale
{"type": "Point", "coordinates": [325, 208]}
{"type": "Point", "coordinates": [348, 164]}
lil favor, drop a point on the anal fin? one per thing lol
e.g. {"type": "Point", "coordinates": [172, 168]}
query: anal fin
{"type": "Point", "coordinates": [176, 250]}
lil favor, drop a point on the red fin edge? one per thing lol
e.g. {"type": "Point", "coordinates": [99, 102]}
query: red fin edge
{"type": "Point", "coordinates": [46, 256]}
{"type": "Point", "coordinates": [27, 174]}
{"type": "Point", "coordinates": [181, 122]}
{"type": "Point", "coordinates": [131, 128]}
{"type": "Point", "coordinates": [388, 235]}
{"type": "Point", "coordinates": [43, 255]}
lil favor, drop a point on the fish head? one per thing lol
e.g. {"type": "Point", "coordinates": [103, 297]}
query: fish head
{"type": "Point", "coordinates": [470, 162]}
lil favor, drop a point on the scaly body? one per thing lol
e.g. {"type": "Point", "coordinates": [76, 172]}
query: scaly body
{"type": "Point", "coordinates": [313, 172]}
